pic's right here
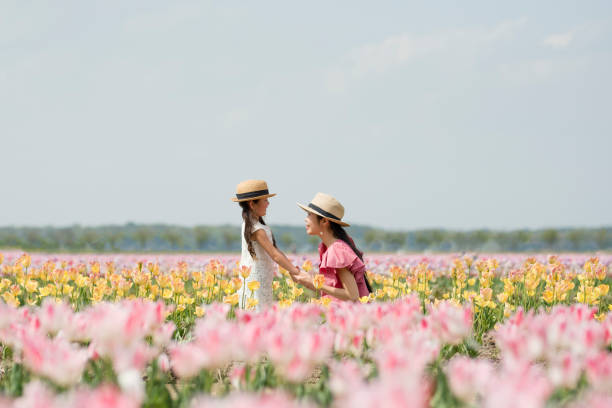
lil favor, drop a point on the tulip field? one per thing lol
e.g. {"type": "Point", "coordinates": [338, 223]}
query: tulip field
{"type": "Point", "coordinates": [123, 330]}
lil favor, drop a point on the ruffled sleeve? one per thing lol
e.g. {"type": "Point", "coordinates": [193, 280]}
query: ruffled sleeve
{"type": "Point", "coordinates": [257, 226]}
{"type": "Point", "coordinates": [338, 256]}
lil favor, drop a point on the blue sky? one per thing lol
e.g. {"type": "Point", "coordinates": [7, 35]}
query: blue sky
{"type": "Point", "coordinates": [412, 114]}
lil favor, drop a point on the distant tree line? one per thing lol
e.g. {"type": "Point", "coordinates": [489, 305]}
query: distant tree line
{"type": "Point", "coordinates": [226, 238]}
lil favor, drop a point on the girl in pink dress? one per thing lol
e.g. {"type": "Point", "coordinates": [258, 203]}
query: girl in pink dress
{"type": "Point", "coordinates": [341, 262]}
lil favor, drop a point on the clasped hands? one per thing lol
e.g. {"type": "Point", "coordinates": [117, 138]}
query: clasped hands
{"type": "Point", "coordinates": [302, 277]}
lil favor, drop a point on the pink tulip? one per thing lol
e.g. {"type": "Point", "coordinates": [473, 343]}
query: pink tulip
{"type": "Point", "coordinates": [237, 375]}
{"type": "Point", "coordinates": [468, 377]}
{"type": "Point", "coordinates": [345, 377]}
{"type": "Point", "coordinates": [407, 391]}
{"type": "Point", "coordinates": [564, 369]}
{"type": "Point", "coordinates": [187, 360]}
{"type": "Point", "coordinates": [599, 372]}
{"type": "Point", "coordinates": [163, 362]}
{"type": "Point", "coordinates": [55, 359]}
{"type": "Point", "coordinates": [102, 397]}
{"type": "Point", "coordinates": [36, 395]}
{"type": "Point", "coordinates": [54, 317]}
{"type": "Point", "coordinates": [274, 399]}
{"type": "Point", "coordinates": [517, 385]}
{"type": "Point", "coordinates": [451, 323]}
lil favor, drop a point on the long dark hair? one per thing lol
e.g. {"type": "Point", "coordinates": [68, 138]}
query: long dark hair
{"type": "Point", "coordinates": [248, 226]}
{"type": "Point", "coordinates": [341, 234]}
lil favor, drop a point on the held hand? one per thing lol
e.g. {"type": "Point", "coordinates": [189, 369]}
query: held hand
{"type": "Point", "coordinates": [294, 274]}
{"type": "Point", "coordinates": [302, 277]}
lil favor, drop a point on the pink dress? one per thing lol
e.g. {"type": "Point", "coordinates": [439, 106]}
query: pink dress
{"type": "Point", "coordinates": [339, 255]}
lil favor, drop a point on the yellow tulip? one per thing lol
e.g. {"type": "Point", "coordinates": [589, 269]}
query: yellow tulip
{"type": "Point", "coordinates": [307, 265]}
{"type": "Point", "coordinates": [325, 300]}
{"type": "Point", "coordinates": [245, 271]}
{"type": "Point", "coordinates": [547, 295]}
{"type": "Point", "coordinates": [237, 283]}
{"type": "Point", "coordinates": [95, 268]}
{"type": "Point", "coordinates": [31, 286]}
{"type": "Point", "coordinates": [253, 286]}
{"type": "Point", "coordinates": [285, 303]}
{"type": "Point", "coordinates": [25, 260]}
{"type": "Point", "coordinates": [4, 283]}
{"type": "Point", "coordinates": [231, 299]}
{"type": "Point", "coordinates": [296, 292]}
{"type": "Point", "coordinates": [199, 311]}
{"type": "Point", "coordinates": [44, 291]}
{"type": "Point", "coordinates": [15, 290]}
{"type": "Point", "coordinates": [10, 299]}
{"type": "Point", "coordinates": [82, 281]}
{"type": "Point", "coordinates": [502, 297]}
{"type": "Point", "coordinates": [318, 281]}
{"type": "Point", "coordinates": [251, 303]}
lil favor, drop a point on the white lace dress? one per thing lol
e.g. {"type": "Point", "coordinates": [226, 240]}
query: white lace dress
{"type": "Point", "coordinates": [263, 269]}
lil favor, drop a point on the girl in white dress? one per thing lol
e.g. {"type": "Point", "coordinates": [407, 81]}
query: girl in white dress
{"type": "Point", "coordinates": [259, 251]}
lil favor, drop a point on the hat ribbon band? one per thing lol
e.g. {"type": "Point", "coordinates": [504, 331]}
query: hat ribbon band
{"type": "Point", "coordinates": [252, 194]}
{"type": "Point", "coordinates": [323, 212]}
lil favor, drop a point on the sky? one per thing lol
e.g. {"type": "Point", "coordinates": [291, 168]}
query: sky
{"type": "Point", "coordinates": [456, 115]}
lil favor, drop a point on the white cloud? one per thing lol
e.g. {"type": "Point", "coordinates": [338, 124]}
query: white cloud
{"type": "Point", "coordinates": [559, 40]}
{"type": "Point", "coordinates": [541, 69]}
{"type": "Point", "coordinates": [397, 50]}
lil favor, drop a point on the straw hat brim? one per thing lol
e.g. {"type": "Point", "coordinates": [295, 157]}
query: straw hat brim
{"type": "Point", "coordinates": [310, 210]}
{"type": "Point", "coordinates": [234, 199]}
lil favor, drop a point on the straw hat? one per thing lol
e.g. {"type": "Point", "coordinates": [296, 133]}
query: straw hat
{"type": "Point", "coordinates": [327, 207]}
{"type": "Point", "coordinates": [251, 190]}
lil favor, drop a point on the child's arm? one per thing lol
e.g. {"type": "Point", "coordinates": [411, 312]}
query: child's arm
{"type": "Point", "coordinates": [277, 255]}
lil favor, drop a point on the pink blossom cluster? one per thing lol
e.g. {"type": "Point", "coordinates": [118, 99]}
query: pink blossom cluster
{"type": "Point", "coordinates": [479, 382]}
{"type": "Point", "coordinates": [293, 340]}
{"type": "Point", "coordinates": [403, 342]}
{"type": "Point", "coordinates": [38, 395]}
{"type": "Point", "coordinates": [55, 343]}
{"type": "Point", "coordinates": [568, 340]}
{"type": "Point", "coordinates": [274, 399]}
{"type": "Point", "coordinates": [539, 352]}
{"type": "Point", "coordinates": [49, 340]}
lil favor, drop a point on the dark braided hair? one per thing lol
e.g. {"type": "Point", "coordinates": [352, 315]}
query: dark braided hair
{"type": "Point", "coordinates": [341, 234]}
{"type": "Point", "coordinates": [248, 226]}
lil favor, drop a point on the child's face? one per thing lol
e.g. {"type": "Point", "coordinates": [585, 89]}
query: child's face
{"type": "Point", "coordinates": [259, 207]}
